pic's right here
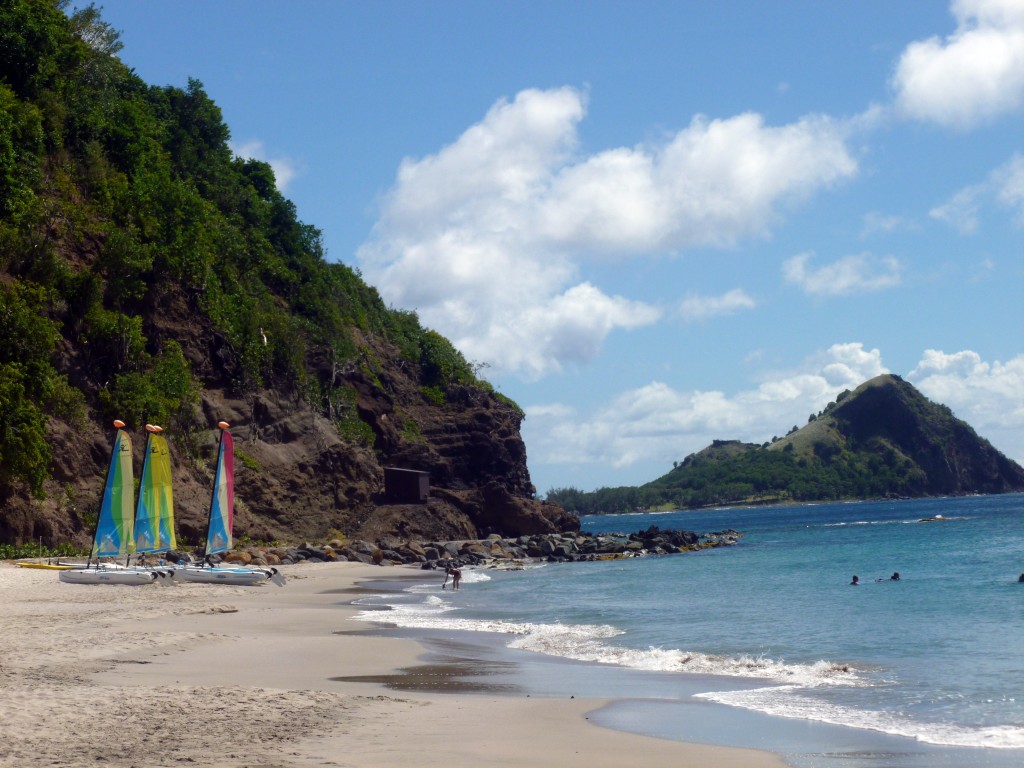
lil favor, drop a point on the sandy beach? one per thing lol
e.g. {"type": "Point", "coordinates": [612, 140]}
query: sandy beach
{"type": "Point", "coordinates": [213, 675]}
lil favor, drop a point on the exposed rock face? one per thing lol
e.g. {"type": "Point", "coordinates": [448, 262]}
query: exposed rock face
{"type": "Point", "coordinates": [295, 477]}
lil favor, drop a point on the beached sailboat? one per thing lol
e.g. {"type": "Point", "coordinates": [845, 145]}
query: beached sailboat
{"type": "Point", "coordinates": [44, 566]}
{"type": "Point", "coordinates": [114, 525]}
{"type": "Point", "coordinates": [220, 525]}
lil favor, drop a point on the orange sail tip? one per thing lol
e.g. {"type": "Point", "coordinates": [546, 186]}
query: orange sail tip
{"type": "Point", "coordinates": [154, 428]}
{"type": "Point", "coordinates": [118, 423]}
{"type": "Point", "coordinates": [223, 424]}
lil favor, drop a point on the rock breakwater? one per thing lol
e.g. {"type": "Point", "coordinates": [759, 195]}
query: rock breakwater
{"type": "Point", "coordinates": [493, 551]}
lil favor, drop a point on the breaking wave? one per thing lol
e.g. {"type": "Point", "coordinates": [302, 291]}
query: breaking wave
{"type": "Point", "coordinates": [592, 643]}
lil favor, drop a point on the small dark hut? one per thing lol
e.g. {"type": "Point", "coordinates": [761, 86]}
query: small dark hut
{"type": "Point", "coordinates": [406, 486]}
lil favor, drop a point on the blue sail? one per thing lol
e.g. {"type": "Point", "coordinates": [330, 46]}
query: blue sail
{"type": "Point", "coordinates": [114, 528]}
{"type": "Point", "coordinates": [222, 505]}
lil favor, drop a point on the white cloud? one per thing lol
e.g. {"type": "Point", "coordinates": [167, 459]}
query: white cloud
{"type": "Point", "coordinates": [284, 169]}
{"type": "Point", "coordinates": [660, 424]}
{"type": "Point", "coordinates": [983, 270]}
{"type": "Point", "coordinates": [961, 210]}
{"type": "Point", "coordinates": [988, 396]}
{"type": "Point", "coordinates": [700, 308]}
{"type": "Point", "coordinates": [712, 184]}
{"type": "Point", "coordinates": [487, 238]}
{"type": "Point", "coordinates": [543, 337]}
{"type": "Point", "coordinates": [1005, 185]}
{"type": "Point", "coordinates": [1008, 181]}
{"type": "Point", "coordinates": [860, 273]}
{"type": "Point", "coordinates": [876, 222]}
{"type": "Point", "coordinates": [974, 75]}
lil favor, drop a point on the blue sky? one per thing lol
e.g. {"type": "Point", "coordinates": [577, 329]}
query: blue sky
{"type": "Point", "coordinates": [656, 223]}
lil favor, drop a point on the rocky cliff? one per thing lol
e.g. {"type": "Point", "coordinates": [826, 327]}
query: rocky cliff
{"type": "Point", "coordinates": [296, 477]}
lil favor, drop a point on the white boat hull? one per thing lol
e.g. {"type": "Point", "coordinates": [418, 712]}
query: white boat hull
{"type": "Point", "coordinates": [239, 577]}
{"type": "Point", "coordinates": [108, 576]}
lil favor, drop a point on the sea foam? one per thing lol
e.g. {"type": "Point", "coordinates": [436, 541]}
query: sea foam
{"type": "Point", "coordinates": [792, 701]}
{"type": "Point", "coordinates": [590, 643]}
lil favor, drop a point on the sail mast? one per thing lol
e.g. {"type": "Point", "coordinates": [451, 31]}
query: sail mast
{"type": "Point", "coordinates": [143, 527]}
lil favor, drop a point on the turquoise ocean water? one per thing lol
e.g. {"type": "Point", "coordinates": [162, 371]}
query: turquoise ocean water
{"type": "Point", "coordinates": [769, 637]}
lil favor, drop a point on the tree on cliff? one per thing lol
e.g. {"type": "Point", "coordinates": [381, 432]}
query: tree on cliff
{"type": "Point", "coordinates": [143, 266]}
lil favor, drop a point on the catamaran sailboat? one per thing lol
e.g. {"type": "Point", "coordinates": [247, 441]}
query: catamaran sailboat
{"type": "Point", "coordinates": [220, 525]}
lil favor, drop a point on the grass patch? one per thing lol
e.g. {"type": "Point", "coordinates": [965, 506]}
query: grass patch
{"type": "Point", "coordinates": [19, 551]}
{"type": "Point", "coordinates": [248, 462]}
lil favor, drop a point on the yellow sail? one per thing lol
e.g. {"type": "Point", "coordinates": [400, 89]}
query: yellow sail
{"type": "Point", "coordinates": [154, 515]}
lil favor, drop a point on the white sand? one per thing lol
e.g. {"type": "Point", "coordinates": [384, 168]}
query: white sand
{"type": "Point", "coordinates": [211, 675]}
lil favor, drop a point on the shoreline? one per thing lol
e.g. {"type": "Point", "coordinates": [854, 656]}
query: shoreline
{"type": "Point", "coordinates": [264, 676]}
{"type": "Point", "coordinates": [659, 704]}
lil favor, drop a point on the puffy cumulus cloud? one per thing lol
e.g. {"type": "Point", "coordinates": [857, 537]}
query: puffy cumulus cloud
{"type": "Point", "coordinates": [284, 169]}
{"type": "Point", "coordinates": [844, 366]}
{"type": "Point", "coordinates": [487, 238]}
{"type": "Point", "coordinates": [712, 184]}
{"type": "Point", "coordinates": [659, 424]}
{"type": "Point", "coordinates": [566, 329]}
{"type": "Point", "coordinates": [988, 396]}
{"type": "Point", "coordinates": [700, 308]}
{"type": "Point", "coordinates": [974, 75]}
{"type": "Point", "coordinates": [488, 180]}
{"type": "Point", "coordinates": [860, 273]}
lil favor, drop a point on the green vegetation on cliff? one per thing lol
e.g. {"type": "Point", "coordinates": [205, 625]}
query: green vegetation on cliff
{"type": "Point", "coordinates": [124, 215]}
{"type": "Point", "coordinates": [883, 440]}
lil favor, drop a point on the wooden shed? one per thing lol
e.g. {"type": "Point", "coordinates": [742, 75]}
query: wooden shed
{"type": "Point", "coordinates": [406, 486]}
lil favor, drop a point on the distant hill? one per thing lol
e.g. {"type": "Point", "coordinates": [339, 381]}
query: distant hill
{"type": "Point", "coordinates": [883, 440]}
{"type": "Point", "coordinates": [147, 273]}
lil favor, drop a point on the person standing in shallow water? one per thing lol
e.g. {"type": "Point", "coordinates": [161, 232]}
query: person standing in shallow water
{"type": "Point", "coordinates": [855, 582]}
{"type": "Point", "coordinates": [455, 572]}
